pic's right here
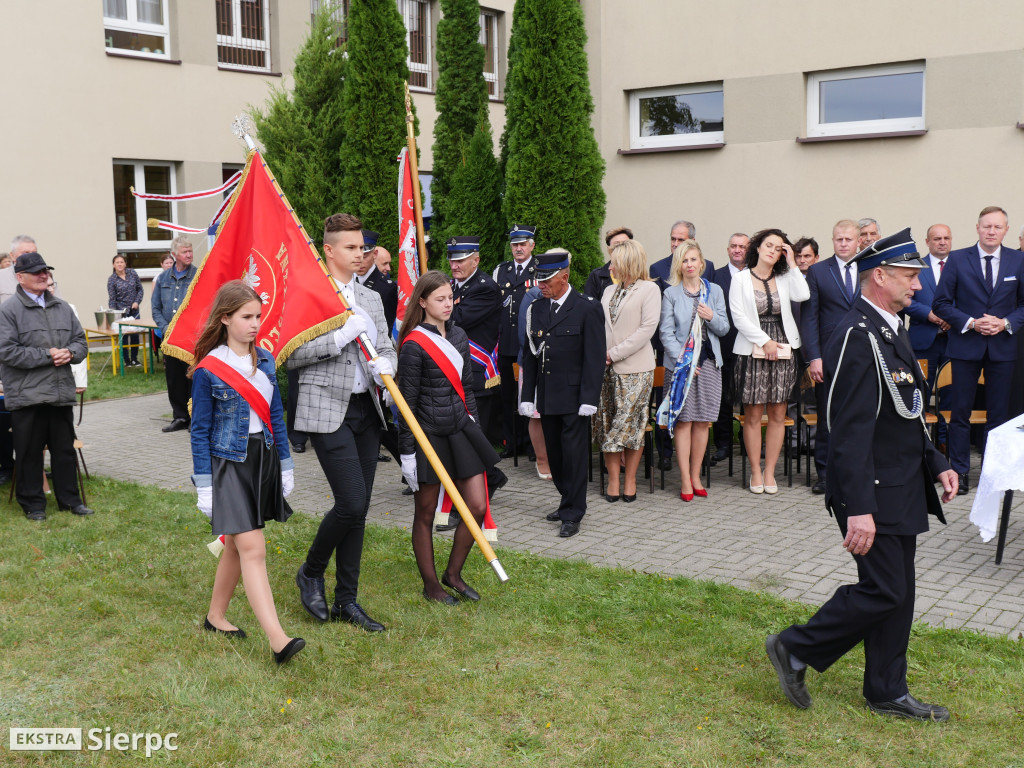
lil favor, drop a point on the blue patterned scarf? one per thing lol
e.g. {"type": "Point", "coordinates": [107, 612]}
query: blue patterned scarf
{"type": "Point", "coordinates": [686, 369]}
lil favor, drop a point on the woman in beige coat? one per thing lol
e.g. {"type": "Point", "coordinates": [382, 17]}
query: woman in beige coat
{"type": "Point", "coordinates": [632, 310]}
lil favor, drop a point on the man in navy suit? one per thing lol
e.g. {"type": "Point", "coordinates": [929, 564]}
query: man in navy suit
{"type": "Point", "coordinates": [834, 288]}
{"type": "Point", "coordinates": [723, 278]}
{"type": "Point", "coordinates": [928, 330]}
{"type": "Point", "coordinates": [981, 296]}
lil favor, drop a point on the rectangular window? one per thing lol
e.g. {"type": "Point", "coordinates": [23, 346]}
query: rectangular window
{"type": "Point", "coordinates": [880, 99]}
{"type": "Point", "coordinates": [339, 14]}
{"type": "Point", "coordinates": [136, 27]}
{"type": "Point", "coordinates": [489, 40]}
{"type": "Point", "coordinates": [131, 214]}
{"type": "Point", "coordinates": [676, 117]}
{"type": "Point", "coordinates": [416, 14]}
{"type": "Point", "coordinates": [243, 34]}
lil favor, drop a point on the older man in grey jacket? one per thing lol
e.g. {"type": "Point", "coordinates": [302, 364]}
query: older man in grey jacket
{"type": "Point", "coordinates": [39, 338]}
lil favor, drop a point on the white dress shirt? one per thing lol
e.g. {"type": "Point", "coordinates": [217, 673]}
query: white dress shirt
{"type": "Point", "coordinates": [348, 291]}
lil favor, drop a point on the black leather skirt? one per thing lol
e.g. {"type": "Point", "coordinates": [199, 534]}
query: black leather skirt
{"type": "Point", "coordinates": [465, 453]}
{"type": "Point", "coordinates": [248, 493]}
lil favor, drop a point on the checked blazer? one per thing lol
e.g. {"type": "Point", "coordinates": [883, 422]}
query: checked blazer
{"type": "Point", "coordinates": [326, 376]}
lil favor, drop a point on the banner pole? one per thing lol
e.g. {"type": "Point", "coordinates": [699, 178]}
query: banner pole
{"type": "Point", "coordinates": [421, 235]}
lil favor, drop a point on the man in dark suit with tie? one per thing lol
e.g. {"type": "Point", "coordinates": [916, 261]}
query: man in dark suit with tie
{"type": "Point", "coordinates": [981, 296]}
{"type": "Point", "coordinates": [563, 362]}
{"type": "Point", "coordinates": [601, 278]}
{"type": "Point", "coordinates": [928, 330]}
{"type": "Point", "coordinates": [882, 470]}
{"type": "Point", "coordinates": [833, 285]}
{"type": "Point", "coordinates": [370, 276]}
{"type": "Point", "coordinates": [737, 251]}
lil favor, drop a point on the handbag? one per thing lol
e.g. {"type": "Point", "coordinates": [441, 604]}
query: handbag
{"type": "Point", "coordinates": [785, 351]}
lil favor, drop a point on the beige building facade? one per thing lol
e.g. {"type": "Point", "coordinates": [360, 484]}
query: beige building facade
{"type": "Point", "coordinates": [734, 115]}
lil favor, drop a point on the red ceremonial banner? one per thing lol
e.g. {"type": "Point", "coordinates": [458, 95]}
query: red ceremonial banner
{"type": "Point", "coordinates": [261, 242]}
{"type": "Point", "coordinates": [408, 260]}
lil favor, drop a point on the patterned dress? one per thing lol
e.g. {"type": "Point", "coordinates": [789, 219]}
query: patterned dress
{"type": "Point", "coordinates": [758, 380]}
{"type": "Point", "coordinates": [705, 396]}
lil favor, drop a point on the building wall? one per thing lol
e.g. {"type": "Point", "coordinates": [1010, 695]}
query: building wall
{"type": "Point", "coordinates": [971, 156]}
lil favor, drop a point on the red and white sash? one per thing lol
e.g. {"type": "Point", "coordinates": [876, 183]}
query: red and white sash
{"type": "Point", "coordinates": [241, 385]}
{"type": "Point", "coordinates": [447, 358]}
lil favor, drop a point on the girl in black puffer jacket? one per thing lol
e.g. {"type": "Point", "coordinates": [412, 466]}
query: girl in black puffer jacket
{"type": "Point", "coordinates": [435, 378]}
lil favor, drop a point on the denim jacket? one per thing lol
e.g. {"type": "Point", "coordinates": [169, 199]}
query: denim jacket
{"type": "Point", "coordinates": [220, 422]}
{"type": "Point", "coordinates": [169, 291]}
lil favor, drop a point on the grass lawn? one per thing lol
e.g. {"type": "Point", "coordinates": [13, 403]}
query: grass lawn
{"type": "Point", "coordinates": [566, 665]}
{"type": "Point", "coordinates": [104, 385]}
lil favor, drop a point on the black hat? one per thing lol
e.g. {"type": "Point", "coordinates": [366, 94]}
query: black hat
{"type": "Point", "coordinates": [520, 234]}
{"type": "Point", "coordinates": [462, 247]}
{"type": "Point", "coordinates": [896, 250]}
{"type": "Point", "coordinates": [30, 262]}
{"type": "Point", "coordinates": [370, 239]}
{"type": "Point", "coordinates": [551, 263]}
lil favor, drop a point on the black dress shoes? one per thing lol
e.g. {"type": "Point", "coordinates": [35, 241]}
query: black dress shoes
{"type": "Point", "coordinates": [910, 708]}
{"type": "Point", "coordinates": [81, 510]}
{"type": "Point", "coordinates": [446, 600]}
{"type": "Point", "coordinates": [965, 485]}
{"type": "Point", "coordinates": [506, 453]}
{"type": "Point", "coordinates": [39, 515]}
{"type": "Point", "coordinates": [499, 484]}
{"type": "Point", "coordinates": [312, 594]}
{"type": "Point", "coordinates": [531, 454]}
{"type": "Point", "coordinates": [467, 592]}
{"type": "Point", "coordinates": [382, 457]}
{"type": "Point", "coordinates": [720, 455]}
{"type": "Point", "coordinates": [298, 447]}
{"type": "Point", "coordinates": [451, 525]}
{"type": "Point", "coordinates": [239, 633]}
{"type": "Point", "coordinates": [665, 463]}
{"type": "Point", "coordinates": [819, 486]}
{"type": "Point", "coordinates": [791, 680]}
{"type": "Point", "coordinates": [553, 516]}
{"type": "Point", "coordinates": [176, 425]}
{"type": "Point", "coordinates": [353, 613]}
{"type": "Point", "coordinates": [568, 529]}
{"type": "Point", "coordinates": [295, 645]}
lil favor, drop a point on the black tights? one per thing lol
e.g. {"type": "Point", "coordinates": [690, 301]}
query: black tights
{"type": "Point", "coordinates": [474, 492]}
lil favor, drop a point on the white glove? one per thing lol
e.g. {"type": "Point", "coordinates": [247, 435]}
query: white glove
{"type": "Point", "coordinates": [371, 327]}
{"type": "Point", "coordinates": [205, 502]}
{"type": "Point", "coordinates": [526, 409]}
{"type": "Point", "coordinates": [287, 481]}
{"type": "Point", "coordinates": [409, 470]}
{"type": "Point", "coordinates": [354, 326]}
{"type": "Point", "coordinates": [587, 410]}
{"type": "Point", "coordinates": [380, 366]}
{"type": "Point", "coordinates": [388, 399]}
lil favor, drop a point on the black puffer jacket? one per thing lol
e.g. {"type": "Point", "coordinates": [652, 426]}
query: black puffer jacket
{"type": "Point", "coordinates": [431, 397]}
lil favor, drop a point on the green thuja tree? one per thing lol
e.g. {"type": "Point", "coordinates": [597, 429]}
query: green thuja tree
{"type": "Point", "coordinates": [302, 132]}
{"type": "Point", "coordinates": [554, 170]}
{"type": "Point", "coordinates": [512, 101]}
{"type": "Point", "coordinates": [461, 98]}
{"type": "Point", "coordinates": [374, 116]}
{"type": "Point", "coordinates": [475, 197]}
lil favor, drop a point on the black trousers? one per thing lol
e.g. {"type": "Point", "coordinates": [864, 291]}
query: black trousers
{"type": "Point", "coordinates": [6, 442]}
{"type": "Point", "coordinates": [53, 427]}
{"type": "Point", "coordinates": [878, 609]}
{"type": "Point", "coordinates": [998, 378]}
{"type": "Point", "coordinates": [662, 441]}
{"type": "Point", "coordinates": [179, 386]}
{"type": "Point", "coordinates": [567, 438]}
{"type": "Point", "coordinates": [295, 436]}
{"type": "Point", "coordinates": [510, 404]}
{"type": "Point", "coordinates": [936, 357]}
{"type": "Point", "coordinates": [821, 434]}
{"type": "Point", "coordinates": [348, 457]}
{"type": "Point", "coordinates": [723, 427]}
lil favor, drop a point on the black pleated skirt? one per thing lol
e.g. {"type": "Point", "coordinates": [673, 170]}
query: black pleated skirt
{"type": "Point", "coordinates": [465, 453]}
{"type": "Point", "coordinates": [248, 493]}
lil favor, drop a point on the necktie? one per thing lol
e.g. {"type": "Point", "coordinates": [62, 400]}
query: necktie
{"type": "Point", "coordinates": [942, 266]}
{"type": "Point", "coordinates": [849, 283]}
{"type": "Point", "coordinates": [519, 271]}
{"type": "Point", "coordinates": [988, 272]}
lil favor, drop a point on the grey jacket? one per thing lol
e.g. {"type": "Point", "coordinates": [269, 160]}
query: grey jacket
{"type": "Point", "coordinates": [676, 314]}
{"type": "Point", "coordinates": [27, 333]}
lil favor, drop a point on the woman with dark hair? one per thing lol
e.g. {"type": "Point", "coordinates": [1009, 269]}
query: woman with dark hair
{"type": "Point", "coordinates": [124, 292]}
{"type": "Point", "coordinates": [767, 334]}
{"type": "Point", "coordinates": [435, 377]}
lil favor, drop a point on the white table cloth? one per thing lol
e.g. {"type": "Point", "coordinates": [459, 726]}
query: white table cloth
{"type": "Point", "coordinates": [1003, 470]}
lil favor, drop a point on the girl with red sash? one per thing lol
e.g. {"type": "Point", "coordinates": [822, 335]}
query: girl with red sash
{"type": "Point", "coordinates": [435, 378]}
{"type": "Point", "coordinates": [241, 462]}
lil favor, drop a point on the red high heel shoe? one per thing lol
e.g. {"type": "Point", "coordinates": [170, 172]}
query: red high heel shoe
{"type": "Point", "coordinates": [686, 496]}
{"type": "Point", "coordinates": [702, 492]}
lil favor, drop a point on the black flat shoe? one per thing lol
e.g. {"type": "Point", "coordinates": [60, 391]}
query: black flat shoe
{"type": "Point", "coordinates": [911, 709]}
{"type": "Point", "coordinates": [382, 457]}
{"type": "Point", "coordinates": [295, 645]}
{"type": "Point", "coordinates": [467, 592]}
{"type": "Point", "coordinates": [446, 600]}
{"type": "Point", "coordinates": [790, 680]}
{"type": "Point", "coordinates": [240, 633]}
{"type": "Point", "coordinates": [298, 447]}
{"type": "Point", "coordinates": [35, 515]}
{"type": "Point", "coordinates": [964, 486]}
{"type": "Point", "coordinates": [610, 499]}
{"type": "Point", "coordinates": [353, 613]}
{"type": "Point", "coordinates": [451, 525]}
{"type": "Point", "coordinates": [629, 499]}
{"type": "Point", "coordinates": [553, 517]}
{"type": "Point", "coordinates": [568, 529]}
{"type": "Point", "coordinates": [176, 425]}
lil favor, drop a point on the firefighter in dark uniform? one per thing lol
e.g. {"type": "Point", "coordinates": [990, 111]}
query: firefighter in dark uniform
{"type": "Point", "coordinates": [876, 418]}
{"type": "Point", "coordinates": [563, 363]}
{"type": "Point", "coordinates": [374, 279]}
{"type": "Point", "coordinates": [514, 278]}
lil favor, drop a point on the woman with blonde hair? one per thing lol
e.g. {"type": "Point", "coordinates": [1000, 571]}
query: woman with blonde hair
{"type": "Point", "coordinates": [693, 320]}
{"type": "Point", "coordinates": [631, 309]}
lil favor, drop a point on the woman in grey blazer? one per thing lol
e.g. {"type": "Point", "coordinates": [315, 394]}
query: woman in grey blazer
{"type": "Point", "coordinates": [693, 319]}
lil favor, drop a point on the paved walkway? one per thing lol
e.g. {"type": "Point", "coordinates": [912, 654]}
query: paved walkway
{"type": "Point", "coordinates": [785, 544]}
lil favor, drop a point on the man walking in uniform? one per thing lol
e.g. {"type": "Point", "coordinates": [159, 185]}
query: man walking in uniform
{"type": "Point", "coordinates": [875, 407]}
{"type": "Point", "coordinates": [564, 364]}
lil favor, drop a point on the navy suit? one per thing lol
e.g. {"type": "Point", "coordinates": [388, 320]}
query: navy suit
{"type": "Point", "coordinates": [723, 427]}
{"type": "Point", "coordinates": [826, 308]}
{"type": "Point", "coordinates": [927, 340]}
{"type": "Point", "coordinates": [963, 294]}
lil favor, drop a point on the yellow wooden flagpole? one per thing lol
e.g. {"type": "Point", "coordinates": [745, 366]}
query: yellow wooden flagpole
{"type": "Point", "coordinates": [421, 235]}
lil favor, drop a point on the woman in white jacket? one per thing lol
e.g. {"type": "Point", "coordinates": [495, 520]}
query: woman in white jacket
{"type": "Point", "coordinates": [767, 334]}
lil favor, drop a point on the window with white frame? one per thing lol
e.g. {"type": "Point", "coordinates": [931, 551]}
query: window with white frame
{"type": "Point", "coordinates": [881, 99]}
{"type": "Point", "coordinates": [136, 27]}
{"type": "Point", "coordinates": [243, 34]}
{"type": "Point", "coordinates": [416, 15]}
{"type": "Point", "coordinates": [676, 117]}
{"type": "Point", "coordinates": [489, 40]}
{"type": "Point", "coordinates": [338, 10]}
{"type": "Point", "coordinates": [131, 214]}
